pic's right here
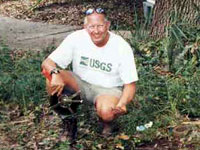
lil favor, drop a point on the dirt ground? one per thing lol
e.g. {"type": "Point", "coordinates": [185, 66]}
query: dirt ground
{"type": "Point", "coordinates": [71, 12]}
{"type": "Point", "coordinates": [26, 35]}
{"type": "Point", "coordinates": [26, 26]}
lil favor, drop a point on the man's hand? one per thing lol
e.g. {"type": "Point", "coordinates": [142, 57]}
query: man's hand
{"type": "Point", "coordinates": [127, 96]}
{"type": "Point", "coordinates": [120, 109]}
{"type": "Point", "coordinates": [57, 84]}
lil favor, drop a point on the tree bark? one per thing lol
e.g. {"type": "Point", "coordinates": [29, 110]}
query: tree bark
{"type": "Point", "coordinates": [165, 11]}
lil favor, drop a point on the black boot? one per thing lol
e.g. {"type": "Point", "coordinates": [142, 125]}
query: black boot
{"type": "Point", "coordinates": [67, 114]}
{"type": "Point", "coordinates": [70, 129]}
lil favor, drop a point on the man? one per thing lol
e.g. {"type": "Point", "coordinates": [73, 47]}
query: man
{"type": "Point", "coordinates": [103, 68]}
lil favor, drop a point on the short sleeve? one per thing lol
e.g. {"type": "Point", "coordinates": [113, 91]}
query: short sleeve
{"type": "Point", "coordinates": [63, 54]}
{"type": "Point", "coordinates": [127, 67]}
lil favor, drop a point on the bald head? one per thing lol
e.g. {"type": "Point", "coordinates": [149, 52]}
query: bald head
{"type": "Point", "coordinates": [88, 17]}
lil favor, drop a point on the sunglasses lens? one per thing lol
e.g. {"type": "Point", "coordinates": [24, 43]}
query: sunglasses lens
{"type": "Point", "coordinates": [89, 11]}
{"type": "Point", "coordinates": [98, 10]}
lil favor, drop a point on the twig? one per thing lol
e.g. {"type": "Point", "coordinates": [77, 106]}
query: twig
{"type": "Point", "coordinates": [192, 122]}
{"type": "Point", "coordinates": [14, 122]}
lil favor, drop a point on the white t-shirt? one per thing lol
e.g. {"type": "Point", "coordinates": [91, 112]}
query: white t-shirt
{"type": "Point", "coordinates": [108, 66]}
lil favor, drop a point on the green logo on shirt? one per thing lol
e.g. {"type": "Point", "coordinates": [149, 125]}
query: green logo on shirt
{"type": "Point", "coordinates": [96, 64]}
{"type": "Point", "coordinates": [84, 61]}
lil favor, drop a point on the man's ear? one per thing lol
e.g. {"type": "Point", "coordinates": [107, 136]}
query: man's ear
{"type": "Point", "coordinates": [84, 26]}
{"type": "Point", "coordinates": [108, 24]}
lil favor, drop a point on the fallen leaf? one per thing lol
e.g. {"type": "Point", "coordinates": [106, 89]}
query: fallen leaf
{"type": "Point", "coordinates": [100, 146]}
{"type": "Point", "coordinates": [124, 137]}
{"type": "Point", "coordinates": [119, 146]}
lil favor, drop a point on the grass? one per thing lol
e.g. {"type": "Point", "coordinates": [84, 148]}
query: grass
{"type": "Point", "coordinates": [21, 81]}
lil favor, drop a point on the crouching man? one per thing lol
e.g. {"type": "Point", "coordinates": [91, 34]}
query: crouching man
{"type": "Point", "coordinates": [103, 65]}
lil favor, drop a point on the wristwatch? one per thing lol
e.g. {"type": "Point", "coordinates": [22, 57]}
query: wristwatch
{"type": "Point", "coordinates": [55, 70]}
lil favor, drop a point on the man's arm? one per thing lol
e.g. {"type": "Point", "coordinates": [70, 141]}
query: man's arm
{"type": "Point", "coordinates": [127, 96]}
{"type": "Point", "coordinates": [48, 65]}
{"type": "Point", "coordinates": [56, 83]}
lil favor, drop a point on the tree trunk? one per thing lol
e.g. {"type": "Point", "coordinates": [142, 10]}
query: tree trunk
{"type": "Point", "coordinates": [166, 10]}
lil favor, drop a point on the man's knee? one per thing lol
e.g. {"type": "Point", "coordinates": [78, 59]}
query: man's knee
{"type": "Point", "coordinates": [69, 80]}
{"type": "Point", "coordinates": [104, 107]}
{"type": "Point", "coordinates": [106, 115]}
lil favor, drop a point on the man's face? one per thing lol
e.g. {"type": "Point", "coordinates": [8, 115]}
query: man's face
{"type": "Point", "coordinates": [97, 27]}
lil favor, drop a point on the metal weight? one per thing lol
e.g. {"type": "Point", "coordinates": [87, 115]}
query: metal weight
{"type": "Point", "coordinates": [65, 101]}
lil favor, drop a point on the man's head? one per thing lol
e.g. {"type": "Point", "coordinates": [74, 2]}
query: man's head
{"type": "Point", "coordinates": [97, 26]}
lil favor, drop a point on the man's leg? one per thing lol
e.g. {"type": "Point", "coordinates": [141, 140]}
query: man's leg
{"type": "Point", "coordinates": [68, 79]}
{"type": "Point", "coordinates": [104, 106]}
{"type": "Point", "coordinates": [69, 120]}
{"type": "Point", "coordinates": [71, 87]}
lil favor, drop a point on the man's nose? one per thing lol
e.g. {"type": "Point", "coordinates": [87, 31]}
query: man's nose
{"type": "Point", "coordinates": [96, 30]}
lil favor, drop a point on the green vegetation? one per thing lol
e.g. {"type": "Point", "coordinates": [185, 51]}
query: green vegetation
{"type": "Point", "coordinates": [21, 81]}
{"type": "Point", "coordinates": [167, 92]}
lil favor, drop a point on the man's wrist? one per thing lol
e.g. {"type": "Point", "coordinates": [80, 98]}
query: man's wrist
{"type": "Point", "coordinates": [121, 103]}
{"type": "Point", "coordinates": [54, 71]}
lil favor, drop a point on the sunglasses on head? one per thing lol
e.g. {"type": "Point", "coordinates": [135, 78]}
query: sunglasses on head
{"type": "Point", "coordinates": [97, 10]}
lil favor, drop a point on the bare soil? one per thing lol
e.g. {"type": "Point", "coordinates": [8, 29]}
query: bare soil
{"type": "Point", "coordinates": [31, 26]}
{"type": "Point", "coordinates": [71, 12]}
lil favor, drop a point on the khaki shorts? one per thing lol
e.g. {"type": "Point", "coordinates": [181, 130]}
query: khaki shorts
{"type": "Point", "coordinates": [90, 92]}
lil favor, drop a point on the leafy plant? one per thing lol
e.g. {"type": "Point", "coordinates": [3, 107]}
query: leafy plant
{"type": "Point", "coordinates": [20, 77]}
{"type": "Point", "coordinates": [168, 86]}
